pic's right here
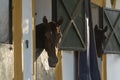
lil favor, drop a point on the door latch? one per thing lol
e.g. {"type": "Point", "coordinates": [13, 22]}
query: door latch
{"type": "Point", "coordinates": [27, 42]}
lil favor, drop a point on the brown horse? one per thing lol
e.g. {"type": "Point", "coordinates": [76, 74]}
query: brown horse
{"type": "Point", "coordinates": [100, 38]}
{"type": "Point", "coordinates": [47, 37]}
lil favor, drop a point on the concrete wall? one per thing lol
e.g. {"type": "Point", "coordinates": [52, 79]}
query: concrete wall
{"type": "Point", "coordinates": [6, 62]}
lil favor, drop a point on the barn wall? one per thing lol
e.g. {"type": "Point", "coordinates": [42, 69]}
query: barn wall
{"type": "Point", "coordinates": [43, 8]}
{"type": "Point", "coordinates": [113, 60]}
{"type": "Point", "coordinates": [68, 65]}
{"type": "Point", "coordinates": [6, 55]}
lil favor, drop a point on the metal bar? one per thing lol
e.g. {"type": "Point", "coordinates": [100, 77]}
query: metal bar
{"type": "Point", "coordinates": [54, 10]}
{"type": "Point", "coordinates": [10, 22]}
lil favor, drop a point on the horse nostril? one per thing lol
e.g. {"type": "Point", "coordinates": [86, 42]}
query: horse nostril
{"type": "Point", "coordinates": [52, 61]}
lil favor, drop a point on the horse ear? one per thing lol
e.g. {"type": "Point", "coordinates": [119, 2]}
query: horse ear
{"type": "Point", "coordinates": [45, 19]}
{"type": "Point", "coordinates": [60, 21]}
{"type": "Point", "coordinates": [105, 29]}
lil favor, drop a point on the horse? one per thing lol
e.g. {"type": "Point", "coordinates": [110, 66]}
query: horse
{"type": "Point", "coordinates": [48, 35]}
{"type": "Point", "coordinates": [100, 38]}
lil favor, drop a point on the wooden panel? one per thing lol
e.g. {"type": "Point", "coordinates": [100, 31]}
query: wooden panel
{"type": "Point", "coordinates": [111, 19]}
{"type": "Point", "coordinates": [17, 39]}
{"type": "Point", "coordinates": [73, 27]}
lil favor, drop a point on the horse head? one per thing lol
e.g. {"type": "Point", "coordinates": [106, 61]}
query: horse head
{"type": "Point", "coordinates": [48, 36]}
{"type": "Point", "coordinates": [100, 38]}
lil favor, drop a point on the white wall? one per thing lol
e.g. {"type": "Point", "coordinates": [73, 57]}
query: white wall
{"type": "Point", "coordinates": [68, 65]}
{"type": "Point", "coordinates": [113, 60]}
{"type": "Point", "coordinates": [113, 66]}
{"type": "Point", "coordinates": [108, 4]}
{"type": "Point", "coordinates": [118, 4]}
{"type": "Point", "coordinates": [43, 8]}
{"type": "Point", "coordinates": [4, 18]}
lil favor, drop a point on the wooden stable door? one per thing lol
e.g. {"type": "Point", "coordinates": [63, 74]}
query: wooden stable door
{"type": "Point", "coordinates": [73, 27]}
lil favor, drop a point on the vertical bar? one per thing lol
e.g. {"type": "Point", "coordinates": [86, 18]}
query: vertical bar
{"type": "Point", "coordinates": [27, 37]}
{"type": "Point", "coordinates": [34, 39]}
{"type": "Point", "coordinates": [77, 65]}
{"type": "Point", "coordinates": [104, 67]}
{"type": "Point", "coordinates": [101, 17]}
{"type": "Point", "coordinates": [54, 10]}
{"type": "Point", "coordinates": [113, 3]}
{"type": "Point", "coordinates": [88, 27]}
{"type": "Point", "coordinates": [17, 39]}
{"type": "Point", "coordinates": [10, 22]}
{"type": "Point", "coordinates": [104, 3]}
{"type": "Point", "coordinates": [58, 69]}
{"type": "Point", "coordinates": [104, 56]}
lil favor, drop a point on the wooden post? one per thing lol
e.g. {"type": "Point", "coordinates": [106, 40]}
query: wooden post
{"type": "Point", "coordinates": [101, 3]}
{"type": "Point", "coordinates": [17, 39]}
{"type": "Point", "coordinates": [113, 3]}
{"type": "Point", "coordinates": [34, 39]}
{"type": "Point", "coordinates": [104, 67]}
{"type": "Point", "coordinates": [59, 66]}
